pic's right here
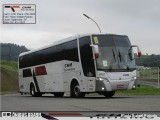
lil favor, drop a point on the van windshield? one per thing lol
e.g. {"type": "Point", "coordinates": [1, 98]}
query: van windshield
{"type": "Point", "coordinates": [115, 53]}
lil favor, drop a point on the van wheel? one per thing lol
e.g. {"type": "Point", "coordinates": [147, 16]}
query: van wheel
{"type": "Point", "coordinates": [59, 94]}
{"type": "Point", "coordinates": [75, 91]}
{"type": "Point", "coordinates": [109, 94]}
{"type": "Point", "coordinates": [33, 92]}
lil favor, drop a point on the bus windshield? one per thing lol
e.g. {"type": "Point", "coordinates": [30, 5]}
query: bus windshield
{"type": "Point", "coordinates": [115, 53]}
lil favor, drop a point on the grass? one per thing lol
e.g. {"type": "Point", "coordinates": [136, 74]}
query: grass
{"type": "Point", "coordinates": [9, 65]}
{"type": "Point", "coordinates": [142, 90]}
{"type": "Point", "coordinates": [9, 77]}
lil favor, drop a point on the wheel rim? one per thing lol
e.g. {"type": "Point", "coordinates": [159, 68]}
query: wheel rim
{"type": "Point", "coordinates": [76, 90]}
{"type": "Point", "coordinates": [32, 91]}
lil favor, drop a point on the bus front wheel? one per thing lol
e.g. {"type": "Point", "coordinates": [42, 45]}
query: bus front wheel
{"type": "Point", "coordinates": [109, 94]}
{"type": "Point", "coordinates": [75, 91]}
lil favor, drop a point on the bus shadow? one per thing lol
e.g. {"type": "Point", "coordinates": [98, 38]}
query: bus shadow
{"type": "Point", "coordinates": [119, 97]}
{"type": "Point", "coordinates": [87, 97]}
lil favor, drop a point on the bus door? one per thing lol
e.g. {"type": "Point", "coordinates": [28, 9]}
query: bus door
{"type": "Point", "coordinates": [88, 67]}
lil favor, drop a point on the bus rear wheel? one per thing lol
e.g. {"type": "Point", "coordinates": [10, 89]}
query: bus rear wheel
{"type": "Point", "coordinates": [59, 94]}
{"type": "Point", "coordinates": [109, 94]}
{"type": "Point", "coordinates": [75, 91]}
{"type": "Point", "coordinates": [33, 92]}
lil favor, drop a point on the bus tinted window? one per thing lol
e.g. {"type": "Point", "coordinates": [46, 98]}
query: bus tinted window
{"type": "Point", "coordinates": [70, 51]}
{"type": "Point", "coordinates": [103, 40]}
{"type": "Point", "coordinates": [58, 54]}
{"type": "Point", "coordinates": [65, 51]}
{"type": "Point", "coordinates": [121, 41]}
{"type": "Point", "coordinates": [87, 56]}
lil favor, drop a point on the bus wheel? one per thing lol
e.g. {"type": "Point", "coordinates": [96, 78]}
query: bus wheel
{"type": "Point", "coordinates": [59, 94]}
{"type": "Point", "coordinates": [21, 93]}
{"type": "Point", "coordinates": [109, 94]}
{"type": "Point", "coordinates": [33, 92]}
{"type": "Point", "coordinates": [75, 91]}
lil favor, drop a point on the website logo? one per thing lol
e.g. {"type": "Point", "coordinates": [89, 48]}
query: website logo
{"type": "Point", "coordinates": [19, 14]}
{"type": "Point", "coordinates": [12, 7]}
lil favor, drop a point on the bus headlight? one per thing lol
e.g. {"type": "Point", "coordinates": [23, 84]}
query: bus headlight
{"type": "Point", "coordinates": [133, 78]}
{"type": "Point", "coordinates": [103, 79]}
{"type": "Point", "coordinates": [134, 87]}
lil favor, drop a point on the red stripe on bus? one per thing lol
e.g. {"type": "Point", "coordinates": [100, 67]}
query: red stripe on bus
{"type": "Point", "coordinates": [41, 70]}
{"type": "Point", "coordinates": [15, 6]}
{"type": "Point", "coordinates": [64, 114]}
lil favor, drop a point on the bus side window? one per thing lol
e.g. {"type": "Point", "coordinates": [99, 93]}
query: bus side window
{"type": "Point", "coordinates": [70, 51]}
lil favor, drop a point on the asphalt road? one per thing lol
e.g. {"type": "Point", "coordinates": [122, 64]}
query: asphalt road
{"type": "Point", "coordinates": [16, 102]}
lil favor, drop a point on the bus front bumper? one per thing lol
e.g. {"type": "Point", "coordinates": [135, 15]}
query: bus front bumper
{"type": "Point", "coordinates": [103, 85]}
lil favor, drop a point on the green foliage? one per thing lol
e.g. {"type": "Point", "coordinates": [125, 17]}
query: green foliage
{"type": "Point", "coordinates": [148, 61]}
{"type": "Point", "coordinates": [11, 51]}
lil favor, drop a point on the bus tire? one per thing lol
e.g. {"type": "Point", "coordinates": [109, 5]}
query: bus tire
{"type": "Point", "coordinates": [33, 92]}
{"type": "Point", "coordinates": [75, 91]}
{"type": "Point", "coordinates": [59, 94]}
{"type": "Point", "coordinates": [109, 94]}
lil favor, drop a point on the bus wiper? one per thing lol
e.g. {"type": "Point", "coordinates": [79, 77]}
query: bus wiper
{"type": "Point", "coordinates": [128, 67]}
{"type": "Point", "coordinates": [119, 56]}
{"type": "Point", "coordinates": [110, 67]}
{"type": "Point", "coordinates": [114, 55]}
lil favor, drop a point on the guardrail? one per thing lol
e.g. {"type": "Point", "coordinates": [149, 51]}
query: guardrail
{"type": "Point", "coordinates": [149, 76]}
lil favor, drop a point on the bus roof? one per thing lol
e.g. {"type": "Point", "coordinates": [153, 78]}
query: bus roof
{"type": "Point", "coordinates": [65, 40]}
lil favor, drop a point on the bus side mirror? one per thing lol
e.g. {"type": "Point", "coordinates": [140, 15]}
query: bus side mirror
{"type": "Point", "coordinates": [95, 50]}
{"type": "Point", "coordinates": [139, 54]}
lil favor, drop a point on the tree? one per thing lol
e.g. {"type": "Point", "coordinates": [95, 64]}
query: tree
{"type": "Point", "coordinates": [10, 51]}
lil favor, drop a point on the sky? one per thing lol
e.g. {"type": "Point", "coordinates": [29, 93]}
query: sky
{"type": "Point", "coordinates": [59, 19]}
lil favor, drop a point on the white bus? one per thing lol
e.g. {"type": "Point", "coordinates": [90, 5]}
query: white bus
{"type": "Point", "coordinates": [82, 64]}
